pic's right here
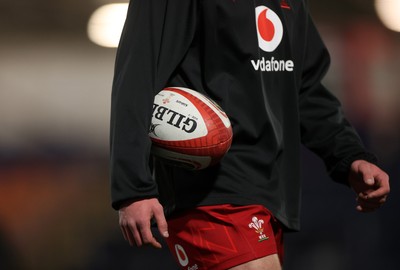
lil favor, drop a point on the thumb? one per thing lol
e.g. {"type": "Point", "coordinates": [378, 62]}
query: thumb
{"type": "Point", "coordinates": [366, 172]}
{"type": "Point", "coordinates": [369, 181]}
{"type": "Point", "coordinates": [161, 222]}
{"type": "Point", "coordinates": [363, 172]}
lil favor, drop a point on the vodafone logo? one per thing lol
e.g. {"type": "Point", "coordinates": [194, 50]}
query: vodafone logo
{"type": "Point", "coordinates": [269, 34]}
{"type": "Point", "coordinates": [181, 254]}
{"type": "Point", "coordinates": [269, 29]}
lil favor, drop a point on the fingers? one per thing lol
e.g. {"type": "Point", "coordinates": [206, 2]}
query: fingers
{"type": "Point", "coordinates": [139, 234]}
{"type": "Point", "coordinates": [128, 234]}
{"type": "Point", "coordinates": [368, 205]}
{"type": "Point", "coordinates": [135, 222]}
{"type": "Point", "coordinates": [374, 198]}
{"type": "Point", "coordinates": [371, 185]}
{"type": "Point", "coordinates": [381, 187]}
{"type": "Point", "coordinates": [377, 195]}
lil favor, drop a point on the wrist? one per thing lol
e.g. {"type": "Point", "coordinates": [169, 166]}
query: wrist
{"type": "Point", "coordinates": [341, 172]}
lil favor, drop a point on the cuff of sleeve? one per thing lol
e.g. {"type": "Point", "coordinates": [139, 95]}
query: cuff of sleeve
{"type": "Point", "coordinates": [341, 172]}
{"type": "Point", "coordinates": [126, 201]}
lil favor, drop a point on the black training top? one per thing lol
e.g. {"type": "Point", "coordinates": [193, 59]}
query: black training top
{"type": "Point", "coordinates": [262, 61]}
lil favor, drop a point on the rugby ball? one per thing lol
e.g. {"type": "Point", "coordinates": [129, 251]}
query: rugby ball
{"type": "Point", "coordinates": [189, 129]}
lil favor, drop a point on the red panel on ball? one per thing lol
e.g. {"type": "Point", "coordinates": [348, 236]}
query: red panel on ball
{"type": "Point", "coordinates": [215, 141]}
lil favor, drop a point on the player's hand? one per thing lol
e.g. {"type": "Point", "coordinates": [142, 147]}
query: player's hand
{"type": "Point", "coordinates": [135, 222]}
{"type": "Point", "coordinates": [371, 185]}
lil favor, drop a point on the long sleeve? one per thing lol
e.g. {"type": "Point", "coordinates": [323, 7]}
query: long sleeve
{"type": "Point", "coordinates": [324, 129]}
{"type": "Point", "coordinates": [156, 35]}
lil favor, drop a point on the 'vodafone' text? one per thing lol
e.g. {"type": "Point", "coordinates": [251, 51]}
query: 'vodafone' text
{"type": "Point", "coordinates": [272, 65]}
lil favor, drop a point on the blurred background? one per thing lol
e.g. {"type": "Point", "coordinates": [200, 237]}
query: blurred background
{"type": "Point", "coordinates": [55, 81]}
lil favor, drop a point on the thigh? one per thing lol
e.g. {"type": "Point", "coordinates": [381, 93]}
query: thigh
{"type": "Point", "coordinates": [224, 236]}
{"type": "Point", "coordinates": [270, 262]}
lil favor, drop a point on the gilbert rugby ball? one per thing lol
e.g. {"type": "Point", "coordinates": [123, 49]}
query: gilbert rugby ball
{"type": "Point", "coordinates": [188, 129]}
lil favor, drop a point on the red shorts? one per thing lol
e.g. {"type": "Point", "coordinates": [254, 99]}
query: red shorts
{"type": "Point", "coordinates": [223, 236]}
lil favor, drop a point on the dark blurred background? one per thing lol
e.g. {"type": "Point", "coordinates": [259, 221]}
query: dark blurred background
{"type": "Point", "coordinates": [54, 114]}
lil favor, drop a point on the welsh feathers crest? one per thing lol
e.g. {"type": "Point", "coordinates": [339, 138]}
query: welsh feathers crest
{"type": "Point", "coordinates": [257, 225]}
